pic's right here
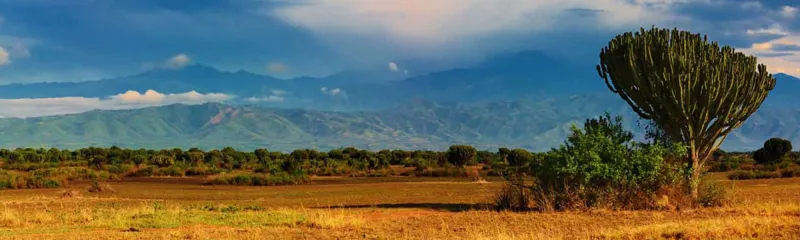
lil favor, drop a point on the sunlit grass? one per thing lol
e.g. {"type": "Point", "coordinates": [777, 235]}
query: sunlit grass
{"type": "Point", "coordinates": [436, 209]}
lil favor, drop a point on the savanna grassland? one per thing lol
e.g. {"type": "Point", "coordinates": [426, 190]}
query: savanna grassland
{"type": "Point", "coordinates": [372, 208]}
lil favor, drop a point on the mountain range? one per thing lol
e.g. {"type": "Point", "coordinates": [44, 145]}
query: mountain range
{"type": "Point", "coordinates": [523, 99]}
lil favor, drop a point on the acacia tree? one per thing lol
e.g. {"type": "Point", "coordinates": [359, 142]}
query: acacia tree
{"type": "Point", "coordinates": [696, 91]}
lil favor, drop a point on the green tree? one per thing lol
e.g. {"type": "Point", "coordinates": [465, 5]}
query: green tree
{"type": "Point", "coordinates": [773, 151]}
{"type": "Point", "coordinates": [460, 155]}
{"type": "Point", "coordinates": [696, 91]}
{"type": "Point", "coordinates": [519, 157]}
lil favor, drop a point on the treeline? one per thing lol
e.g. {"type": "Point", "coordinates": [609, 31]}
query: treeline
{"type": "Point", "coordinates": [178, 162]}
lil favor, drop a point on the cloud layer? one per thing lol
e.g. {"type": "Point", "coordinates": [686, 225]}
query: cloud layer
{"type": "Point", "coordinates": [178, 61]}
{"type": "Point", "coordinates": [4, 58]}
{"type": "Point", "coordinates": [35, 107]}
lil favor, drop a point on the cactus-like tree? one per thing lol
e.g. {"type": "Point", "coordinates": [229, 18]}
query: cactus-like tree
{"type": "Point", "coordinates": [696, 91]}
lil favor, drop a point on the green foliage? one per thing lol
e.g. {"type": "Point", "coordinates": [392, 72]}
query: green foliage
{"type": "Point", "coordinates": [519, 157]}
{"type": "Point", "coordinates": [460, 155]}
{"type": "Point", "coordinates": [773, 151]}
{"type": "Point", "coordinates": [74, 173]}
{"type": "Point", "coordinates": [595, 167]}
{"type": "Point", "coordinates": [13, 181]}
{"type": "Point", "coordinates": [727, 163]}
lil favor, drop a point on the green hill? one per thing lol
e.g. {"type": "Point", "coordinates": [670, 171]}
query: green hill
{"type": "Point", "coordinates": [419, 125]}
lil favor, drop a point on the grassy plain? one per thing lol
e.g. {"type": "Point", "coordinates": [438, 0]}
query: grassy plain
{"type": "Point", "coordinates": [372, 208]}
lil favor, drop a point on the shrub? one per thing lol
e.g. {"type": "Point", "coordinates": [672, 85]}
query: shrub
{"type": "Point", "coordinates": [514, 196]}
{"type": "Point", "coordinates": [726, 163]}
{"type": "Point", "coordinates": [600, 166]}
{"type": "Point", "coordinates": [713, 195]}
{"type": "Point", "coordinates": [259, 179]}
{"type": "Point", "coordinates": [99, 187]}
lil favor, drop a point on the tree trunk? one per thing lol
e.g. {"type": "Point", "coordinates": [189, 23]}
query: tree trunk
{"type": "Point", "coordinates": [694, 178]}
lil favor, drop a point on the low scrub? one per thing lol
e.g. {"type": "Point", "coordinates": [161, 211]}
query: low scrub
{"type": "Point", "coordinates": [203, 170]}
{"type": "Point", "coordinates": [759, 174]}
{"type": "Point", "coordinates": [442, 172]}
{"type": "Point", "coordinates": [74, 173]}
{"type": "Point", "coordinates": [35, 166]}
{"type": "Point", "coordinates": [153, 171]}
{"type": "Point", "coordinates": [254, 179]}
{"type": "Point", "coordinates": [12, 181]}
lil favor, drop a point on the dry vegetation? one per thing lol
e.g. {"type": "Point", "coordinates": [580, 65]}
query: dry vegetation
{"type": "Point", "coordinates": [374, 208]}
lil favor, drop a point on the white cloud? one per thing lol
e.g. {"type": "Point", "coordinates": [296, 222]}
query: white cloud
{"type": "Point", "coordinates": [277, 96]}
{"type": "Point", "coordinates": [272, 98]}
{"type": "Point", "coordinates": [4, 57]}
{"type": "Point", "coordinates": [393, 67]}
{"type": "Point", "coordinates": [178, 61]}
{"type": "Point", "coordinates": [788, 11]}
{"type": "Point", "coordinates": [444, 21]}
{"type": "Point", "coordinates": [333, 92]}
{"type": "Point", "coordinates": [276, 68]}
{"type": "Point", "coordinates": [278, 92]}
{"type": "Point", "coordinates": [34, 107]}
{"type": "Point", "coordinates": [784, 64]}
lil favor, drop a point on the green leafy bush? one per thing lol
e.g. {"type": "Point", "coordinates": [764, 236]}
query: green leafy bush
{"type": "Point", "coordinates": [460, 155]}
{"type": "Point", "coordinates": [600, 166]}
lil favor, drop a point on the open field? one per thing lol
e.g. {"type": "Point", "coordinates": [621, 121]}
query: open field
{"type": "Point", "coordinates": [371, 208]}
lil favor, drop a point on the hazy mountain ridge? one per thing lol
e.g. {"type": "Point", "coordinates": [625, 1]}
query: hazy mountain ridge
{"type": "Point", "coordinates": [520, 99]}
{"type": "Point", "coordinates": [417, 125]}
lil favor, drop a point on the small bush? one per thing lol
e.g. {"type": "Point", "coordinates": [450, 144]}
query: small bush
{"type": "Point", "coordinates": [98, 187]}
{"type": "Point", "coordinates": [713, 195]}
{"type": "Point", "coordinates": [515, 196]}
{"type": "Point", "coordinates": [258, 179]}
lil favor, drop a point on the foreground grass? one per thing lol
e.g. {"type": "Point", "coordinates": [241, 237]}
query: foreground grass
{"type": "Point", "coordinates": [392, 209]}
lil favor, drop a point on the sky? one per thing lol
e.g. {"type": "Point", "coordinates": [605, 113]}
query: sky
{"type": "Point", "coordinates": [56, 40]}
{"type": "Point", "coordinates": [77, 40]}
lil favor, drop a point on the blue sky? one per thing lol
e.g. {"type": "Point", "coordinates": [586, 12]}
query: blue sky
{"type": "Point", "coordinates": [71, 40]}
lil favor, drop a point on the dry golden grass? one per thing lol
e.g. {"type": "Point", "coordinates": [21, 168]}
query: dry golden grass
{"type": "Point", "coordinates": [394, 208]}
